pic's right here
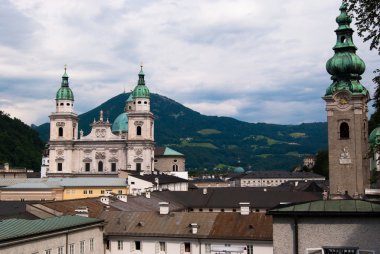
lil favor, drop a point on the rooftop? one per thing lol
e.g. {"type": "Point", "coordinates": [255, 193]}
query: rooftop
{"type": "Point", "coordinates": [162, 178]}
{"type": "Point", "coordinates": [166, 151]}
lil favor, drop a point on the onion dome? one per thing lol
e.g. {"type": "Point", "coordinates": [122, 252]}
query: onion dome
{"type": "Point", "coordinates": [121, 123]}
{"type": "Point", "coordinates": [64, 92]}
{"type": "Point", "coordinates": [374, 137]}
{"type": "Point", "coordinates": [345, 67]}
{"type": "Point", "coordinates": [239, 170]}
{"type": "Point", "coordinates": [141, 90]}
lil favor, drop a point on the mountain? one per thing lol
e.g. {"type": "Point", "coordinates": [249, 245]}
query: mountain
{"type": "Point", "coordinates": [210, 141]}
{"type": "Point", "coordinates": [20, 145]}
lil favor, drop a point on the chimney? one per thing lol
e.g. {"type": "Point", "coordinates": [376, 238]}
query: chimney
{"type": "Point", "coordinates": [122, 197]}
{"type": "Point", "coordinates": [164, 207]}
{"type": "Point", "coordinates": [105, 200]}
{"type": "Point", "coordinates": [244, 208]}
{"type": "Point", "coordinates": [194, 228]}
{"type": "Point", "coordinates": [6, 167]}
{"type": "Point", "coordinates": [147, 194]}
{"type": "Point", "coordinates": [204, 191]}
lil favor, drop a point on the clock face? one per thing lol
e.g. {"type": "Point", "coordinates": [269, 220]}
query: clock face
{"type": "Point", "coordinates": [343, 100]}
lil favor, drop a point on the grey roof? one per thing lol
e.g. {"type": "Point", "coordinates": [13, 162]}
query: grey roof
{"type": "Point", "coordinates": [329, 207]}
{"type": "Point", "coordinates": [15, 209]}
{"type": "Point", "coordinates": [230, 197]}
{"type": "Point", "coordinates": [93, 181]}
{"type": "Point", "coordinates": [255, 226]}
{"type": "Point", "coordinates": [20, 228]}
{"type": "Point", "coordinates": [162, 178]}
{"type": "Point", "coordinates": [29, 185]}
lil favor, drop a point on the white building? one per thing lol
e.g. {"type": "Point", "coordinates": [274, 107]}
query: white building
{"type": "Point", "coordinates": [127, 144]}
{"type": "Point", "coordinates": [185, 233]}
{"type": "Point", "coordinates": [65, 234]}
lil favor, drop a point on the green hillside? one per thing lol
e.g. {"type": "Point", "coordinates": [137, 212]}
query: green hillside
{"type": "Point", "coordinates": [211, 140]}
{"type": "Point", "coordinates": [20, 145]}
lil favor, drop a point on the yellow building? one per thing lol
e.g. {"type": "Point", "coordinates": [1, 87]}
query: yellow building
{"type": "Point", "coordinates": [63, 188]}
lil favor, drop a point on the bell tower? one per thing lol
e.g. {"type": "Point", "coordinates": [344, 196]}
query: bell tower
{"type": "Point", "coordinates": [140, 128]}
{"type": "Point", "coordinates": [346, 105]}
{"type": "Point", "coordinates": [63, 129]}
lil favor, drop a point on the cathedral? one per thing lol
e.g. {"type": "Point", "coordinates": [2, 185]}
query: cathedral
{"type": "Point", "coordinates": [125, 145]}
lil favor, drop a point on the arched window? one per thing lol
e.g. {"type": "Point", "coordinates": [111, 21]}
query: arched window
{"type": "Point", "coordinates": [138, 130]}
{"type": "Point", "coordinates": [60, 132]}
{"type": "Point", "coordinates": [344, 130]}
{"type": "Point", "coordinates": [175, 168]}
{"type": "Point", "coordinates": [100, 166]}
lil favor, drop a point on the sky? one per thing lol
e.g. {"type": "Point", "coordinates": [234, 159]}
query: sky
{"type": "Point", "coordinates": [254, 60]}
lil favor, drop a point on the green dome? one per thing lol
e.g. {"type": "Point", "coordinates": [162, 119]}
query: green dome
{"type": "Point", "coordinates": [64, 92]}
{"type": "Point", "coordinates": [121, 123]}
{"type": "Point", "coordinates": [141, 90]}
{"type": "Point", "coordinates": [345, 67]}
{"type": "Point", "coordinates": [239, 170]}
{"type": "Point", "coordinates": [374, 137]}
{"type": "Point", "coordinates": [345, 63]}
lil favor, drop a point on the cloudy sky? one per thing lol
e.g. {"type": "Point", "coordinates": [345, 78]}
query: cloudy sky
{"type": "Point", "coordinates": [254, 60]}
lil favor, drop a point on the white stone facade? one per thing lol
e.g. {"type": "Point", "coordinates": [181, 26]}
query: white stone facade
{"type": "Point", "coordinates": [101, 152]}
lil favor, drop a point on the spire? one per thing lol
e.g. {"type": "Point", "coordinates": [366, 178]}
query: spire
{"type": "Point", "coordinates": [141, 81]}
{"type": "Point", "coordinates": [345, 66]}
{"type": "Point", "coordinates": [65, 78]}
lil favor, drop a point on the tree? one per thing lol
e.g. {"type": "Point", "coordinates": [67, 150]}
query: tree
{"type": "Point", "coordinates": [322, 163]}
{"type": "Point", "coordinates": [375, 117]}
{"type": "Point", "coordinates": [367, 20]}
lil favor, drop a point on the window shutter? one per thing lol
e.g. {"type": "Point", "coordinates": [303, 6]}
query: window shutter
{"type": "Point", "coordinates": [157, 250]}
{"type": "Point", "coordinates": [182, 248]}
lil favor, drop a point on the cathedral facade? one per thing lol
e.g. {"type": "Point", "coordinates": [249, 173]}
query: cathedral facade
{"type": "Point", "coordinates": [125, 145]}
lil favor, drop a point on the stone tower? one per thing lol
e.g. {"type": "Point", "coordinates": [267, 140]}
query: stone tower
{"type": "Point", "coordinates": [346, 106]}
{"type": "Point", "coordinates": [63, 129]}
{"type": "Point", "coordinates": [140, 129]}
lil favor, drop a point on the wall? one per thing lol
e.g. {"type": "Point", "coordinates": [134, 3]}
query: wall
{"type": "Point", "coordinates": [323, 231]}
{"type": "Point", "coordinates": [36, 195]}
{"type": "Point", "coordinates": [77, 193]}
{"type": "Point", "coordinates": [165, 163]}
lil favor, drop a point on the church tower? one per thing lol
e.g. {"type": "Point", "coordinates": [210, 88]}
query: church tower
{"type": "Point", "coordinates": [346, 105]}
{"type": "Point", "coordinates": [63, 129]}
{"type": "Point", "coordinates": [140, 129]}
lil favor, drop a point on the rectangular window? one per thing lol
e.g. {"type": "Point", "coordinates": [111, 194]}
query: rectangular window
{"type": "Point", "coordinates": [85, 192]}
{"type": "Point", "coordinates": [187, 247]}
{"type": "Point", "coordinates": [138, 166]}
{"type": "Point", "coordinates": [71, 248]}
{"type": "Point", "coordinates": [87, 166]}
{"type": "Point", "coordinates": [249, 249]}
{"type": "Point", "coordinates": [163, 246]}
{"type": "Point", "coordinates": [120, 244]}
{"type": "Point", "coordinates": [59, 166]}
{"type": "Point", "coordinates": [81, 247]}
{"type": "Point", "coordinates": [137, 245]}
{"type": "Point", "coordinates": [208, 248]}
{"type": "Point", "coordinates": [113, 166]}
{"type": "Point", "coordinates": [119, 192]}
{"type": "Point", "coordinates": [48, 251]}
{"type": "Point", "coordinates": [90, 192]}
{"type": "Point", "coordinates": [91, 244]}
{"type": "Point", "coordinates": [102, 192]}
{"type": "Point", "coordinates": [60, 250]}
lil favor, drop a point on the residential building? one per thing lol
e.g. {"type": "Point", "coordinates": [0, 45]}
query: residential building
{"type": "Point", "coordinates": [168, 160]}
{"type": "Point", "coordinates": [271, 178]}
{"type": "Point", "coordinates": [65, 234]}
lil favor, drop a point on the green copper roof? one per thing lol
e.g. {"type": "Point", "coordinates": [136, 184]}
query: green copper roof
{"type": "Point", "coordinates": [345, 67]}
{"type": "Point", "coordinates": [141, 90]}
{"type": "Point", "coordinates": [374, 137]}
{"type": "Point", "coordinates": [64, 92]}
{"type": "Point", "coordinates": [171, 152]}
{"type": "Point", "coordinates": [130, 97]}
{"type": "Point", "coordinates": [16, 228]}
{"type": "Point", "coordinates": [121, 123]}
